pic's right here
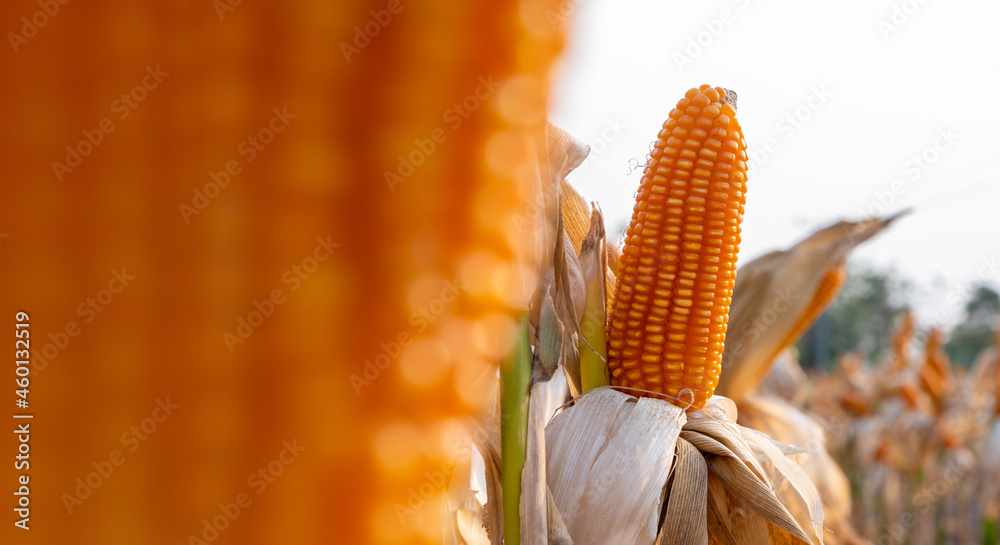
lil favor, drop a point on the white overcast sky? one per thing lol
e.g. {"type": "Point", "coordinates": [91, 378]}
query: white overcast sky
{"type": "Point", "coordinates": [881, 100]}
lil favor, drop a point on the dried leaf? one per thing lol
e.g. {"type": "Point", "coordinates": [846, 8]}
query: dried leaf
{"type": "Point", "coordinates": [720, 407]}
{"type": "Point", "coordinates": [565, 152]}
{"type": "Point", "coordinates": [558, 534]}
{"type": "Point", "coordinates": [576, 215]}
{"type": "Point", "coordinates": [785, 424]}
{"type": "Point", "coordinates": [533, 508]}
{"type": "Point", "coordinates": [764, 447]}
{"type": "Point", "coordinates": [747, 527]}
{"type": "Point", "coordinates": [728, 433]}
{"type": "Point", "coordinates": [684, 523]}
{"type": "Point", "coordinates": [705, 443]}
{"type": "Point", "coordinates": [747, 488]}
{"type": "Point", "coordinates": [573, 287]}
{"type": "Point", "coordinates": [609, 289]}
{"type": "Point", "coordinates": [614, 257]}
{"type": "Point", "coordinates": [781, 537]}
{"type": "Point", "coordinates": [773, 294]}
{"type": "Point", "coordinates": [492, 519]}
{"type": "Point", "coordinates": [785, 379]}
{"type": "Point", "coordinates": [593, 258]}
{"type": "Point", "coordinates": [544, 217]}
{"type": "Point", "coordinates": [486, 436]}
{"type": "Point", "coordinates": [449, 518]}
{"type": "Point", "coordinates": [609, 456]}
{"type": "Point", "coordinates": [718, 523]}
{"type": "Point", "coordinates": [470, 528]}
{"type": "Point", "coordinates": [570, 297]}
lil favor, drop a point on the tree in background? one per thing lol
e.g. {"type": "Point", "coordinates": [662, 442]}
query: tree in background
{"type": "Point", "coordinates": [976, 331]}
{"type": "Point", "coordinates": [863, 316]}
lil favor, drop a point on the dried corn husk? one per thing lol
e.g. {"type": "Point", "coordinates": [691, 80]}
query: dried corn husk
{"type": "Point", "coordinates": [609, 456]}
{"type": "Point", "coordinates": [783, 422]}
{"type": "Point", "coordinates": [616, 462]}
{"type": "Point", "coordinates": [772, 296]}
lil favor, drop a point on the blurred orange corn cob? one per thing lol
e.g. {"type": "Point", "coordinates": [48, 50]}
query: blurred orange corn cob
{"type": "Point", "coordinates": [668, 326]}
{"type": "Point", "coordinates": [829, 287]}
{"type": "Point", "coordinates": [936, 374]}
{"type": "Point", "coordinates": [901, 341]}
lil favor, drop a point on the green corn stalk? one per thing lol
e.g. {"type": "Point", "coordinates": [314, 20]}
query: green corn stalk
{"type": "Point", "coordinates": [515, 379]}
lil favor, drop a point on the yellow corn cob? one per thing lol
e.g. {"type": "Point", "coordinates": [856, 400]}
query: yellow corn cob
{"type": "Point", "coordinates": [829, 287]}
{"type": "Point", "coordinates": [668, 326]}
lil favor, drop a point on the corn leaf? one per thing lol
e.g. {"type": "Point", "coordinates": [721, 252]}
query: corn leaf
{"type": "Point", "coordinates": [548, 349]}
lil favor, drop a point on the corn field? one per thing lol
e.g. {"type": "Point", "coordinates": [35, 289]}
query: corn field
{"type": "Point", "coordinates": [518, 272]}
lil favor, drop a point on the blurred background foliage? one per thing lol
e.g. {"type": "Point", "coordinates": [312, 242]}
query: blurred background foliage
{"type": "Point", "coordinates": [867, 310]}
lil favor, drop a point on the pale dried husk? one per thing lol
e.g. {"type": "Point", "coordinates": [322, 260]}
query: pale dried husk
{"type": "Point", "coordinates": [609, 456]}
{"type": "Point", "coordinates": [637, 470]}
{"type": "Point", "coordinates": [783, 422]}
